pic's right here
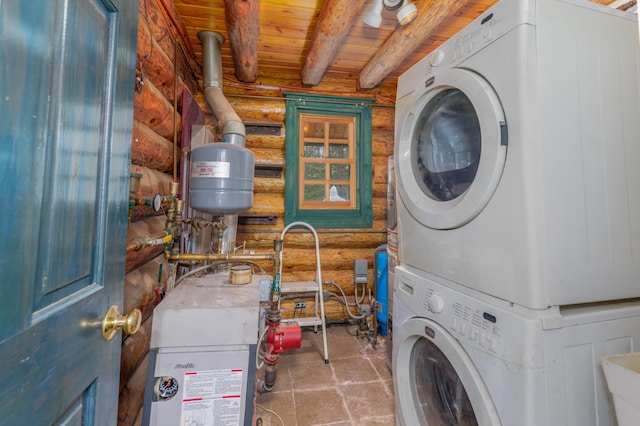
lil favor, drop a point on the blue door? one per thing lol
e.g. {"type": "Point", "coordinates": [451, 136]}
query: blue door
{"type": "Point", "coordinates": [67, 70]}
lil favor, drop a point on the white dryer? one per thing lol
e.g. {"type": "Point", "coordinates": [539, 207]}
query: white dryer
{"type": "Point", "coordinates": [517, 155]}
{"type": "Point", "coordinates": [461, 357]}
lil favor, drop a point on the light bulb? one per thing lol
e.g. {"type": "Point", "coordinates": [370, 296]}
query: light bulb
{"type": "Point", "coordinates": [407, 13]}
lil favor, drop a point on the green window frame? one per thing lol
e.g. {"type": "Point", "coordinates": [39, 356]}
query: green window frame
{"type": "Point", "coordinates": [301, 107]}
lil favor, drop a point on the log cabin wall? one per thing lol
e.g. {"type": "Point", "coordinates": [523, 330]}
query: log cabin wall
{"type": "Point", "coordinates": [262, 103]}
{"type": "Point", "coordinates": [166, 66]}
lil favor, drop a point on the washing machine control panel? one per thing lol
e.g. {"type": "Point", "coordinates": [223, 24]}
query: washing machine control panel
{"type": "Point", "coordinates": [464, 44]}
{"type": "Point", "coordinates": [470, 322]}
{"type": "Point", "coordinates": [479, 326]}
{"type": "Point", "coordinates": [477, 35]}
{"type": "Point", "coordinates": [493, 326]}
{"type": "Point", "coordinates": [460, 47]}
{"type": "Point", "coordinates": [472, 41]}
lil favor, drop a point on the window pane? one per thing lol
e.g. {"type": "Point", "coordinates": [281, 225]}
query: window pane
{"type": "Point", "coordinates": [314, 150]}
{"type": "Point", "coordinates": [314, 193]}
{"type": "Point", "coordinates": [336, 134]}
{"type": "Point", "coordinates": [338, 131]}
{"type": "Point", "coordinates": [314, 171]}
{"type": "Point", "coordinates": [338, 150]}
{"type": "Point", "coordinates": [339, 193]}
{"type": "Point", "coordinates": [314, 129]}
{"type": "Point", "coordinates": [340, 171]}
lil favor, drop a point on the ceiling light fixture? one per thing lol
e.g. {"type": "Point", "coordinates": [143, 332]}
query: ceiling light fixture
{"type": "Point", "coordinates": [407, 13]}
{"type": "Point", "coordinates": [392, 4]}
{"type": "Point", "coordinates": [373, 16]}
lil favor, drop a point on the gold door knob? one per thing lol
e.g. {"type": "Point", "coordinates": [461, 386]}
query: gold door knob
{"type": "Point", "coordinates": [113, 321]}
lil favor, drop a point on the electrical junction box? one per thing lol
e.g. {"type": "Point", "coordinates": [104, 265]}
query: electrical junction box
{"type": "Point", "coordinates": [360, 271]}
{"type": "Point", "coordinates": [202, 358]}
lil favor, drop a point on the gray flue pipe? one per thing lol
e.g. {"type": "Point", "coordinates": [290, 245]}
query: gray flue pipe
{"type": "Point", "coordinates": [231, 127]}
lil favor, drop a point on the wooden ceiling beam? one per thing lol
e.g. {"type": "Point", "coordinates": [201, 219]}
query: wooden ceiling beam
{"type": "Point", "coordinates": [405, 40]}
{"type": "Point", "coordinates": [243, 25]}
{"type": "Point", "coordinates": [333, 25]}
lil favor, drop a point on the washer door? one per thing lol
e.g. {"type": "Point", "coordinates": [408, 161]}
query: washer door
{"type": "Point", "coordinates": [435, 381]}
{"type": "Point", "coordinates": [451, 150]}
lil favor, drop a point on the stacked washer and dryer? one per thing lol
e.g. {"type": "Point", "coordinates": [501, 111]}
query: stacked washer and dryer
{"type": "Point", "coordinates": [517, 159]}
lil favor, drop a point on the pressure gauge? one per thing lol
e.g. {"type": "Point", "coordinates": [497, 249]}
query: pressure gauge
{"type": "Point", "coordinates": [166, 387]}
{"type": "Point", "coordinates": [157, 202]}
{"type": "Point", "coordinates": [392, 4]}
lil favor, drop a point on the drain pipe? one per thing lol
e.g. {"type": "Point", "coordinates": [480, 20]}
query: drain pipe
{"type": "Point", "coordinates": [231, 127]}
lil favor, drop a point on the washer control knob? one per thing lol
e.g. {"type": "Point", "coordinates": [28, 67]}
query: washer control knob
{"type": "Point", "coordinates": [436, 304]}
{"type": "Point", "coordinates": [436, 58]}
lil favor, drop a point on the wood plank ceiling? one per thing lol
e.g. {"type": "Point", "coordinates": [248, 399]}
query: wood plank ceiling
{"type": "Point", "coordinates": [286, 31]}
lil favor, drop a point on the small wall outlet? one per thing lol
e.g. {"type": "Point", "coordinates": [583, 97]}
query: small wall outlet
{"type": "Point", "coordinates": [301, 305]}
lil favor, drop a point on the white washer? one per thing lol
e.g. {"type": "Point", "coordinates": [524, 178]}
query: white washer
{"type": "Point", "coordinates": [465, 358]}
{"type": "Point", "coordinates": [518, 155]}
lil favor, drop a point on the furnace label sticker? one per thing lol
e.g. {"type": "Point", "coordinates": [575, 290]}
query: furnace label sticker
{"type": "Point", "coordinates": [214, 169]}
{"type": "Point", "coordinates": [212, 398]}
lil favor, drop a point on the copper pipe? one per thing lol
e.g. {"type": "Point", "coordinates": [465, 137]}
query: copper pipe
{"type": "Point", "coordinates": [204, 257]}
{"type": "Point", "coordinates": [175, 110]}
{"type": "Point", "coordinates": [138, 243]}
{"type": "Point", "coordinates": [133, 245]}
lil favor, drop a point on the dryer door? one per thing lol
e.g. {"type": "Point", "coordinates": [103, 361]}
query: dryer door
{"type": "Point", "coordinates": [435, 381]}
{"type": "Point", "coordinates": [451, 149]}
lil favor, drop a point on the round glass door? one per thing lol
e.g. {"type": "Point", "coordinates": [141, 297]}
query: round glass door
{"type": "Point", "coordinates": [435, 381]}
{"type": "Point", "coordinates": [438, 392]}
{"type": "Point", "coordinates": [450, 150]}
{"type": "Point", "coordinates": [446, 145]}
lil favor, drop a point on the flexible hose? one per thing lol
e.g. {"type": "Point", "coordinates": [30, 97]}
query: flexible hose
{"type": "Point", "coordinates": [344, 301]}
{"type": "Point", "coordinates": [259, 356]}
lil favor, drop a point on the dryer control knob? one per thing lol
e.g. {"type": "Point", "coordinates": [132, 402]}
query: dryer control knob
{"type": "Point", "coordinates": [436, 58]}
{"type": "Point", "coordinates": [436, 304]}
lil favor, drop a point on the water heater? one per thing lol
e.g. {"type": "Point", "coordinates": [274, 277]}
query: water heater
{"type": "Point", "coordinates": [202, 358]}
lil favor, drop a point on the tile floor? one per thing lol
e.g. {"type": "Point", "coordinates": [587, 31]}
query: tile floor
{"type": "Point", "coordinates": [354, 389]}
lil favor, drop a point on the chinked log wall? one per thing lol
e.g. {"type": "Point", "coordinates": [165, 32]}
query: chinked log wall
{"type": "Point", "coordinates": [159, 32]}
{"type": "Point", "coordinates": [339, 248]}
{"type": "Point", "coordinates": [160, 53]}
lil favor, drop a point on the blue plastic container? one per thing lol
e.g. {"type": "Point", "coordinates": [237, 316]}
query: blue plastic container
{"type": "Point", "coordinates": [382, 288]}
